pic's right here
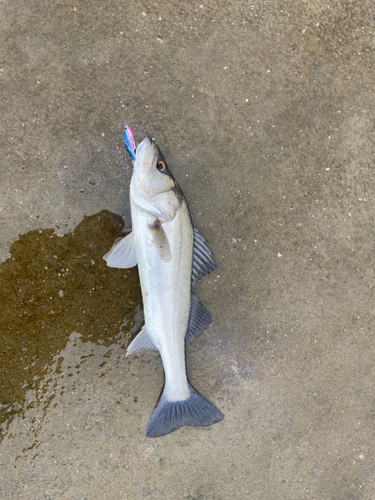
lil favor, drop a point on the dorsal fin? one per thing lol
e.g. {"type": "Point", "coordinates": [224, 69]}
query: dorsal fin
{"type": "Point", "coordinates": [203, 263]}
{"type": "Point", "coordinates": [199, 320]}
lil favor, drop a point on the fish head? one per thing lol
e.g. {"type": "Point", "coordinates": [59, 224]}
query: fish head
{"type": "Point", "coordinates": [153, 187]}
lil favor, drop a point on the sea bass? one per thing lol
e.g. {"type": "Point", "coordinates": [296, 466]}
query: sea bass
{"type": "Point", "coordinates": [171, 256]}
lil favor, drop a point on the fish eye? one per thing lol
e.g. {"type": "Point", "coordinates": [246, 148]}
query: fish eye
{"type": "Point", "coordinates": [161, 166]}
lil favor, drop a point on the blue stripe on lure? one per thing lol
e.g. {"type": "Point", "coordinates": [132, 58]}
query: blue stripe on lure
{"type": "Point", "coordinates": [129, 141]}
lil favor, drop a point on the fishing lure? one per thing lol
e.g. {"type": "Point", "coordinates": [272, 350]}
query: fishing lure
{"type": "Point", "coordinates": [129, 141]}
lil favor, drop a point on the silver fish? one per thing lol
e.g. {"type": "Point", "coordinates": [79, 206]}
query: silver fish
{"type": "Point", "coordinates": [171, 256]}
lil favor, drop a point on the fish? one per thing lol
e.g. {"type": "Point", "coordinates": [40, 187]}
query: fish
{"type": "Point", "coordinates": [171, 256]}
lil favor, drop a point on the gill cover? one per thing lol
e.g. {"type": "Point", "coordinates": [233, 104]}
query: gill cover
{"type": "Point", "coordinates": [152, 188]}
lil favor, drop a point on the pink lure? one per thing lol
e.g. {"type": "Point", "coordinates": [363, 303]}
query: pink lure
{"type": "Point", "coordinates": [129, 141]}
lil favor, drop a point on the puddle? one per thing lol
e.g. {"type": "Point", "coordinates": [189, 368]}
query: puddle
{"type": "Point", "coordinates": [52, 286]}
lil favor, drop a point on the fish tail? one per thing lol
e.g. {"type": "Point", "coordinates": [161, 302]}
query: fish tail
{"type": "Point", "coordinates": [194, 411]}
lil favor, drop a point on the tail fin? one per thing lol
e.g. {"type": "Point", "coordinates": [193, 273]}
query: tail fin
{"type": "Point", "coordinates": [195, 411]}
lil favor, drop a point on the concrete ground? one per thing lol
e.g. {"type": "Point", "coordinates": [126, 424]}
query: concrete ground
{"type": "Point", "coordinates": [265, 112]}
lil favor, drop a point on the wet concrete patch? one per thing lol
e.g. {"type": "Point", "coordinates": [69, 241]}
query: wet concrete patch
{"type": "Point", "coordinates": [52, 286]}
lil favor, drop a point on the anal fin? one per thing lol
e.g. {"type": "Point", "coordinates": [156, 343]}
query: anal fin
{"type": "Point", "coordinates": [142, 342]}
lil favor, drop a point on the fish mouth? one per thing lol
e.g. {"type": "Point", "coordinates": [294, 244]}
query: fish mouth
{"type": "Point", "coordinates": [145, 152]}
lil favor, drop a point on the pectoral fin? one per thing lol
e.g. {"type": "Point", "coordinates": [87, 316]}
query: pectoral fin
{"type": "Point", "coordinates": [122, 254]}
{"type": "Point", "coordinates": [160, 240]}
